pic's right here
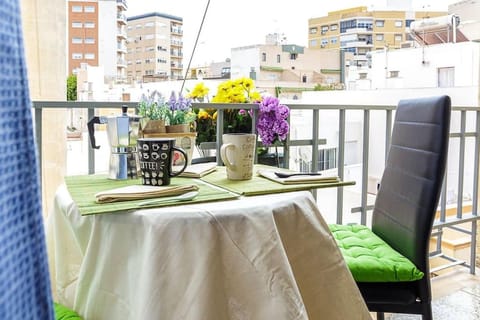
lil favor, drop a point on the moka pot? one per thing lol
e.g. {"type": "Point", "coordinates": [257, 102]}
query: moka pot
{"type": "Point", "coordinates": [122, 134]}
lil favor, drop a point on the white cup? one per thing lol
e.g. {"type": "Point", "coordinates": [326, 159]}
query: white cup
{"type": "Point", "coordinates": [238, 153]}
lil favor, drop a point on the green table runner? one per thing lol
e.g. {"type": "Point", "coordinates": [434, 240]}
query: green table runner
{"type": "Point", "coordinates": [212, 187]}
{"type": "Point", "coordinates": [83, 189]}
{"type": "Point", "coordinates": [259, 185]}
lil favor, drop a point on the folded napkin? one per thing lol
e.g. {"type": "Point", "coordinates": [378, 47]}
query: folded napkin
{"type": "Point", "coordinates": [269, 174]}
{"type": "Point", "coordinates": [199, 170]}
{"type": "Point", "coordinates": [137, 192]}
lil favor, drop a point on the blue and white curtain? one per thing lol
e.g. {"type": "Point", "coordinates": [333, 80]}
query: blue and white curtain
{"type": "Point", "coordinates": [24, 278]}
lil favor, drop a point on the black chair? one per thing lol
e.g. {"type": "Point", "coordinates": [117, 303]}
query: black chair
{"type": "Point", "coordinates": [206, 149]}
{"type": "Point", "coordinates": [407, 201]}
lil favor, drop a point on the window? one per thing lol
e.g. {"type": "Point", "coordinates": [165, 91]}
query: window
{"type": "Point", "coordinates": [76, 40]}
{"type": "Point", "coordinates": [264, 56]}
{"type": "Point", "coordinates": [324, 29]}
{"type": "Point", "coordinates": [77, 56]}
{"type": "Point", "coordinates": [149, 25]}
{"type": "Point", "coordinates": [394, 74]}
{"type": "Point", "coordinates": [313, 30]}
{"type": "Point", "coordinates": [398, 38]}
{"type": "Point", "coordinates": [89, 56]}
{"type": "Point", "coordinates": [89, 9]}
{"type": "Point", "coordinates": [327, 158]}
{"type": "Point", "coordinates": [408, 22]}
{"type": "Point", "coordinates": [446, 77]}
{"type": "Point", "coordinates": [129, 28]}
{"type": "Point", "coordinates": [89, 25]}
{"type": "Point", "coordinates": [138, 61]}
{"type": "Point", "coordinates": [149, 36]}
{"type": "Point", "coordinates": [77, 9]}
{"type": "Point", "coordinates": [313, 43]}
{"type": "Point", "coordinates": [398, 23]}
{"type": "Point", "coordinates": [147, 49]}
{"type": "Point", "coordinates": [333, 40]}
{"type": "Point", "coordinates": [161, 60]}
{"type": "Point", "coordinates": [160, 48]}
{"type": "Point", "coordinates": [333, 27]}
{"type": "Point", "coordinates": [129, 62]}
{"type": "Point", "coordinates": [379, 37]}
{"type": "Point", "coordinates": [138, 49]}
{"type": "Point", "coordinates": [278, 58]}
{"type": "Point", "coordinates": [293, 56]}
{"type": "Point", "coordinates": [138, 26]}
{"type": "Point", "coordinates": [379, 23]}
{"type": "Point", "coordinates": [147, 61]}
{"type": "Point", "coordinates": [77, 24]}
{"type": "Point", "coordinates": [89, 40]}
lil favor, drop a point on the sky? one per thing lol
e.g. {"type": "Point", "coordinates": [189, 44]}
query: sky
{"type": "Point", "coordinates": [230, 24]}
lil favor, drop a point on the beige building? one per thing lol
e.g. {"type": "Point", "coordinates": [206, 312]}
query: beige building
{"type": "Point", "coordinates": [95, 41]}
{"type": "Point", "coordinates": [286, 62]}
{"type": "Point", "coordinates": [358, 30]}
{"type": "Point", "coordinates": [288, 69]}
{"type": "Point", "coordinates": [154, 47]}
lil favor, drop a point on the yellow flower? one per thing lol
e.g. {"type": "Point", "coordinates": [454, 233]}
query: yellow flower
{"type": "Point", "coordinates": [199, 91]}
{"type": "Point", "coordinates": [241, 90]}
{"type": "Point", "coordinates": [202, 114]}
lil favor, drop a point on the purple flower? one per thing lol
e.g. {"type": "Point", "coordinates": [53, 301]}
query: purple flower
{"type": "Point", "coordinates": [182, 103]}
{"type": "Point", "coordinates": [272, 124]}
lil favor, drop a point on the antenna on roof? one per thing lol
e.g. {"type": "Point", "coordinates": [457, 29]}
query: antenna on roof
{"type": "Point", "coordinates": [195, 45]}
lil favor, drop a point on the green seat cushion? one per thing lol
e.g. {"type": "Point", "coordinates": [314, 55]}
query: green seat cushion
{"type": "Point", "coordinates": [64, 313]}
{"type": "Point", "coordinates": [369, 258]}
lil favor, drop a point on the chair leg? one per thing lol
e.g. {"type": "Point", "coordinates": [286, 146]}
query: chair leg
{"type": "Point", "coordinates": [380, 316]}
{"type": "Point", "coordinates": [427, 314]}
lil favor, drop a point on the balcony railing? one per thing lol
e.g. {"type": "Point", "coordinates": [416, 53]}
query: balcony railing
{"type": "Point", "coordinates": [462, 169]}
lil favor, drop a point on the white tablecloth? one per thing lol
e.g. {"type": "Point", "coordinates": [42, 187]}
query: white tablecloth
{"type": "Point", "coordinates": [265, 257]}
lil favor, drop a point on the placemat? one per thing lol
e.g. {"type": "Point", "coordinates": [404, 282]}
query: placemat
{"type": "Point", "coordinates": [83, 189]}
{"type": "Point", "coordinates": [259, 185]}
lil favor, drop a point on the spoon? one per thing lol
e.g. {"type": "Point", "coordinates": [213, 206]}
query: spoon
{"type": "Point", "coordinates": [286, 175]}
{"type": "Point", "coordinates": [183, 197]}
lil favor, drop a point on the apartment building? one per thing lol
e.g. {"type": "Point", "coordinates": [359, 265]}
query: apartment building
{"type": "Point", "coordinates": [360, 30]}
{"type": "Point", "coordinates": [154, 47]}
{"type": "Point", "coordinates": [98, 42]}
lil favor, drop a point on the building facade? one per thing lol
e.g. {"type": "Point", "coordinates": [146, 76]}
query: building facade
{"type": "Point", "coordinates": [154, 47]}
{"type": "Point", "coordinates": [98, 42]}
{"type": "Point", "coordinates": [286, 62]}
{"type": "Point", "coordinates": [359, 30]}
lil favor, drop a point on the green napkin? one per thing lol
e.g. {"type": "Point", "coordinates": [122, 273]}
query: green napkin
{"type": "Point", "coordinates": [259, 185]}
{"type": "Point", "coordinates": [83, 189]}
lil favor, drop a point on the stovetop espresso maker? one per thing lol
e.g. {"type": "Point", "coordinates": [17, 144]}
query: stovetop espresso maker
{"type": "Point", "coordinates": [122, 134]}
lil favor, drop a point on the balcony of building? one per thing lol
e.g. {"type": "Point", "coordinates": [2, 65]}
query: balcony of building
{"type": "Point", "coordinates": [122, 4]}
{"type": "Point", "coordinates": [121, 18]}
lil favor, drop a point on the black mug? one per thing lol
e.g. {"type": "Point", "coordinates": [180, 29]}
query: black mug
{"type": "Point", "coordinates": [156, 160]}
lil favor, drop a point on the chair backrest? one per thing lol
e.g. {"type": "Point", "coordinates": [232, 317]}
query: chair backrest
{"type": "Point", "coordinates": [411, 184]}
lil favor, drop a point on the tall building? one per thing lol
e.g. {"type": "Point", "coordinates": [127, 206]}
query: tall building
{"type": "Point", "coordinates": [360, 31]}
{"type": "Point", "coordinates": [154, 47]}
{"type": "Point", "coordinates": [98, 42]}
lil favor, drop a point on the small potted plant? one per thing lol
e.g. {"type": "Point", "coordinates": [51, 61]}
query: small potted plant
{"type": "Point", "coordinates": [154, 111]}
{"type": "Point", "coordinates": [179, 114]}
